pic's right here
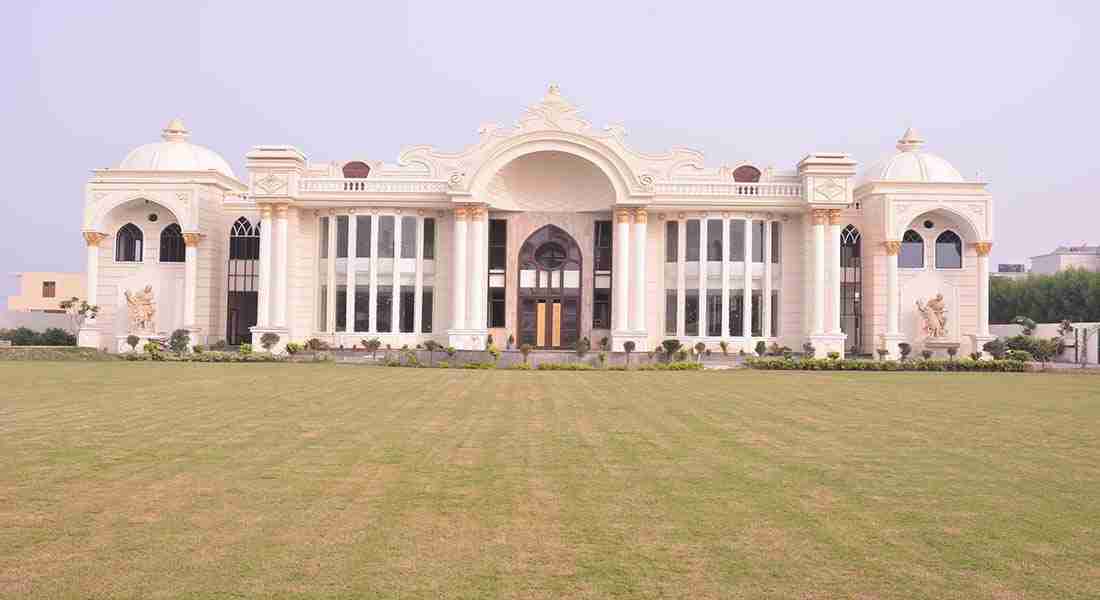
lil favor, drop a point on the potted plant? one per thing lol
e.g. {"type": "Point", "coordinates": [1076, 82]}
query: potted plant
{"type": "Point", "coordinates": [628, 347]}
{"type": "Point", "coordinates": [268, 340]}
{"type": "Point", "coordinates": [700, 347]}
{"type": "Point", "coordinates": [525, 350]}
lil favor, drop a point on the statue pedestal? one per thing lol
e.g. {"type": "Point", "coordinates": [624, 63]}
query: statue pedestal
{"type": "Point", "coordinates": [936, 345]}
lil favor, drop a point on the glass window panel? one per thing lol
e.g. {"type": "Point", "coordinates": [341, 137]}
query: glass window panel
{"type": "Point", "coordinates": [737, 240]}
{"type": "Point", "coordinates": [757, 308]}
{"type": "Point", "coordinates": [602, 244]}
{"type": "Point", "coordinates": [671, 305]}
{"type": "Point", "coordinates": [426, 300]}
{"type": "Point", "coordinates": [362, 238]}
{"type": "Point", "coordinates": [322, 318]}
{"type": "Point", "coordinates": [601, 309]}
{"type": "Point", "coordinates": [758, 241]}
{"type": "Point", "coordinates": [777, 238]}
{"type": "Point", "coordinates": [775, 314]}
{"type": "Point", "coordinates": [714, 240]}
{"type": "Point", "coordinates": [911, 255]}
{"type": "Point", "coordinates": [429, 239]}
{"type": "Point", "coordinates": [342, 236]}
{"type": "Point", "coordinates": [737, 318]}
{"type": "Point", "coordinates": [691, 312]}
{"type": "Point", "coordinates": [341, 307]}
{"type": "Point", "coordinates": [498, 243]}
{"type": "Point", "coordinates": [323, 237]}
{"type": "Point", "coordinates": [693, 241]}
{"type": "Point", "coordinates": [385, 236]}
{"type": "Point", "coordinates": [408, 307]}
{"type": "Point", "coordinates": [362, 308]}
{"type": "Point", "coordinates": [672, 241]}
{"type": "Point", "coordinates": [496, 307]}
{"type": "Point", "coordinates": [385, 309]}
{"type": "Point", "coordinates": [948, 251]}
{"type": "Point", "coordinates": [408, 237]}
{"type": "Point", "coordinates": [714, 311]}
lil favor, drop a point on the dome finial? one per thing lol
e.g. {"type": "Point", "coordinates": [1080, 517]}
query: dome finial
{"type": "Point", "coordinates": [175, 131]}
{"type": "Point", "coordinates": [910, 141]}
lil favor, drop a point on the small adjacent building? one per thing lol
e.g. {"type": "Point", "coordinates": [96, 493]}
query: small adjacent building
{"type": "Point", "coordinates": [1084, 257]}
{"type": "Point", "coordinates": [44, 291]}
{"type": "Point", "coordinates": [546, 231]}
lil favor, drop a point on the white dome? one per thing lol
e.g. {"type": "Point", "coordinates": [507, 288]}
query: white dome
{"type": "Point", "coordinates": [175, 153]}
{"type": "Point", "coordinates": [911, 163]}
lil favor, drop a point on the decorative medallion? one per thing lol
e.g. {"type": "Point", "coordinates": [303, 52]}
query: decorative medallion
{"type": "Point", "coordinates": [830, 190]}
{"type": "Point", "coordinates": [271, 183]}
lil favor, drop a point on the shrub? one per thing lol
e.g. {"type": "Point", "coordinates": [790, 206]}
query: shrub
{"type": "Point", "coordinates": [820, 364]}
{"type": "Point", "coordinates": [682, 355]}
{"type": "Point", "coordinates": [700, 347]}
{"type": "Point", "coordinates": [904, 348]}
{"type": "Point", "coordinates": [833, 355]}
{"type": "Point", "coordinates": [1045, 350]}
{"type": "Point", "coordinates": [996, 348]}
{"type": "Point", "coordinates": [444, 365]}
{"type": "Point", "coordinates": [180, 340]}
{"type": "Point", "coordinates": [520, 367]}
{"type": "Point", "coordinates": [153, 349]}
{"type": "Point", "coordinates": [724, 345]}
{"type": "Point", "coordinates": [605, 344]}
{"type": "Point", "coordinates": [494, 353]}
{"type": "Point", "coordinates": [432, 346]}
{"type": "Point", "coordinates": [245, 350]}
{"type": "Point", "coordinates": [293, 348]}
{"type": "Point", "coordinates": [479, 365]}
{"type": "Point", "coordinates": [1028, 324]}
{"type": "Point", "coordinates": [511, 341]}
{"type": "Point", "coordinates": [628, 347]}
{"type": "Point", "coordinates": [602, 356]}
{"type": "Point", "coordinates": [808, 349]}
{"type": "Point", "coordinates": [219, 345]}
{"type": "Point", "coordinates": [525, 350]}
{"type": "Point", "coordinates": [198, 349]}
{"type": "Point", "coordinates": [761, 348]}
{"type": "Point", "coordinates": [372, 345]}
{"type": "Point", "coordinates": [926, 354]}
{"type": "Point", "coordinates": [451, 351]}
{"type": "Point", "coordinates": [132, 341]}
{"type": "Point", "coordinates": [671, 347]}
{"type": "Point", "coordinates": [674, 366]}
{"type": "Point", "coordinates": [564, 367]}
{"type": "Point", "coordinates": [952, 351]}
{"type": "Point", "coordinates": [488, 341]}
{"type": "Point", "coordinates": [583, 346]}
{"type": "Point", "coordinates": [975, 356]}
{"type": "Point", "coordinates": [55, 336]}
{"type": "Point", "coordinates": [316, 344]}
{"type": "Point", "coordinates": [268, 340]}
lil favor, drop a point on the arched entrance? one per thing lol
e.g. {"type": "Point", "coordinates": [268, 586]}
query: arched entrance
{"type": "Point", "coordinates": [549, 290]}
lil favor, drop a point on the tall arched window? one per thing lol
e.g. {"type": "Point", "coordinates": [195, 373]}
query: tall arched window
{"type": "Point", "coordinates": [243, 269]}
{"type": "Point", "coordinates": [949, 249]}
{"type": "Point", "coordinates": [851, 287]}
{"type": "Point", "coordinates": [244, 240]}
{"type": "Point", "coordinates": [912, 251]}
{"type": "Point", "coordinates": [128, 243]}
{"type": "Point", "coordinates": [356, 169]}
{"type": "Point", "coordinates": [171, 244]}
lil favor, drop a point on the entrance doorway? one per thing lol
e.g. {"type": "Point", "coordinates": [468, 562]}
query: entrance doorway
{"type": "Point", "coordinates": [549, 289]}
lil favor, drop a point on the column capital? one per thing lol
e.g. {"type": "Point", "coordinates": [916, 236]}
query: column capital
{"type": "Point", "coordinates": [820, 216]}
{"type": "Point", "coordinates": [641, 216]}
{"type": "Point", "coordinates": [983, 248]}
{"type": "Point", "coordinates": [93, 238]}
{"type": "Point", "coordinates": [192, 238]}
{"type": "Point", "coordinates": [622, 215]}
{"type": "Point", "coordinates": [477, 211]}
{"type": "Point", "coordinates": [892, 247]}
{"type": "Point", "coordinates": [265, 211]}
{"type": "Point", "coordinates": [281, 210]}
{"type": "Point", "coordinates": [834, 216]}
{"type": "Point", "coordinates": [460, 213]}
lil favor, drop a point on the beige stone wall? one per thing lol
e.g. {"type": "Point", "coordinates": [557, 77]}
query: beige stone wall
{"type": "Point", "coordinates": [30, 298]}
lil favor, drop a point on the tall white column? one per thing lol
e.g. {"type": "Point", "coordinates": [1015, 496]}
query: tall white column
{"type": "Point", "coordinates": [279, 267]}
{"type": "Point", "coordinates": [766, 286]}
{"type": "Point", "coordinates": [892, 317]}
{"type": "Point", "coordinates": [263, 283]}
{"type": "Point", "coordinates": [190, 278]}
{"type": "Point", "coordinates": [638, 277]}
{"type": "Point", "coordinates": [819, 216]}
{"type": "Point", "coordinates": [621, 274]}
{"type": "Point", "coordinates": [353, 234]}
{"type": "Point", "coordinates": [373, 294]}
{"type": "Point", "coordinates": [395, 304]}
{"type": "Point", "coordinates": [418, 307]}
{"type": "Point", "coordinates": [681, 276]}
{"type": "Point", "coordinates": [834, 268]}
{"type": "Point", "coordinates": [725, 275]}
{"type": "Point", "coordinates": [983, 249]}
{"type": "Point", "coordinates": [479, 267]}
{"type": "Point", "coordinates": [704, 271]}
{"type": "Point", "coordinates": [459, 291]}
{"type": "Point", "coordinates": [330, 306]}
{"type": "Point", "coordinates": [92, 239]}
{"type": "Point", "coordinates": [746, 294]}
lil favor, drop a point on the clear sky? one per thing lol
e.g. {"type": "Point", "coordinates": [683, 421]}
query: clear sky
{"type": "Point", "coordinates": [1005, 89]}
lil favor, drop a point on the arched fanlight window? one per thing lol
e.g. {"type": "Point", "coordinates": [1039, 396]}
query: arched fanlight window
{"type": "Point", "coordinates": [850, 247]}
{"type": "Point", "coordinates": [949, 251]}
{"type": "Point", "coordinates": [244, 240]}
{"type": "Point", "coordinates": [128, 243]}
{"type": "Point", "coordinates": [912, 251]}
{"type": "Point", "coordinates": [851, 287]}
{"type": "Point", "coordinates": [171, 244]}
{"type": "Point", "coordinates": [356, 169]}
{"type": "Point", "coordinates": [746, 174]}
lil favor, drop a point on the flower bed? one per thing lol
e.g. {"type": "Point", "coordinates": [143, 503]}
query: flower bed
{"type": "Point", "coordinates": [826, 364]}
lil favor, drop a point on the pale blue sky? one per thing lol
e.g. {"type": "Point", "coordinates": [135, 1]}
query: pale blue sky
{"type": "Point", "coordinates": [1003, 88]}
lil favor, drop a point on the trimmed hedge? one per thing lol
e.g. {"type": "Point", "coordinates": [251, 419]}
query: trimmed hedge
{"type": "Point", "coordinates": [209, 356]}
{"type": "Point", "coordinates": [824, 364]}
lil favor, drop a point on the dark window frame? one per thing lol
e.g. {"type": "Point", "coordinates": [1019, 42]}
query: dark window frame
{"type": "Point", "coordinates": [948, 239]}
{"type": "Point", "coordinates": [172, 247]}
{"type": "Point", "coordinates": [129, 244]}
{"type": "Point", "coordinates": [912, 246]}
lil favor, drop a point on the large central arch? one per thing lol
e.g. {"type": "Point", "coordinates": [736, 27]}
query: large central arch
{"type": "Point", "coordinates": [549, 289]}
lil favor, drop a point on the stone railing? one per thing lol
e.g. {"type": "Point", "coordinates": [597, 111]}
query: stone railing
{"type": "Point", "coordinates": [747, 190]}
{"type": "Point", "coordinates": [360, 186]}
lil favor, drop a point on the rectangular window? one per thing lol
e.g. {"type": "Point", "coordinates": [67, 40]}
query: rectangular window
{"type": "Point", "coordinates": [429, 238]}
{"type": "Point", "coordinates": [775, 314]}
{"type": "Point", "coordinates": [385, 308]}
{"type": "Point", "coordinates": [601, 308]}
{"type": "Point", "coordinates": [714, 312]}
{"type": "Point", "coordinates": [691, 312]}
{"type": "Point", "coordinates": [737, 319]}
{"type": "Point", "coordinates": [672, 241]}
{"type": "Point", "coordinates": [385, 236]}
{"type": "Point", "coordinates": [496, 307]}
{"type": "Point", "coordinates": [362, 238]}
{"type": "Point", "coordinates": [49, 289]}
{"type": "Point", "coordinates": [362, 308]}
{"type": "Point", "coordinates": [757, 308]}
{"type": "Point", "coordinates": [342, 236]}
{"type": "Point", "coordinates": [322, 318]}
{"type": "Point", "coordinates": [714, 239]}
{"type": "Point", "coordinates": [692, 240]}
{"type": "Point", "coordinates": [602, 250]}
{"type": "Point", "coordinates": [498, 244]}
{"type": "Point", "coordinates": [408, 307]}
{"type": "Point", "coordinates": [777, 230]}
{"type": "Point", "coordinates": [671, 304]}
{"type": "Point", "coordinates": [341, 307]}
{"type": "Point", "coordinates": [758, 241]}
{"type": "Point", "coordinates": [408, 237]}
{"type": "Point", "coordinates": [426, 310]}
{"type": "Point", "coordinates": [737, 240]}
{"type": "Point", "coordinates": [322, 238]}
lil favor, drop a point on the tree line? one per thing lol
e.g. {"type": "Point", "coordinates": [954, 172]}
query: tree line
{"type": "Point", "coordinates": [1072, 295]}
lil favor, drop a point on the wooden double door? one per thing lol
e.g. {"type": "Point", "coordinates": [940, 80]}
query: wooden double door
{"type": "Point", "coordinates": [549, 290]}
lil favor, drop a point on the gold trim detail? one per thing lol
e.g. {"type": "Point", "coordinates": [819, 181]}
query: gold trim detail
{"type": "Point", "coordinates": [192, 239]}
{"type": "Point", "coordinates": [820, 216]}
{"type": "Point", "coordinates": [893, 247]}
{"type": "Point", "coordinates": [834, 216]}
{"type": "Point", "coordinates": [983, 248]}
{"type": "Point", "coordinates": [460, 213]}
{"type": "Point", "coordinates": [93, 238]}
{"type": "Point", "coordinates": [622, 215]}
{"type": "Point", "coordinates": [641, 216]}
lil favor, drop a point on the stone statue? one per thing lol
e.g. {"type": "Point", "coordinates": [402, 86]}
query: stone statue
{"type": "Point", "coordinates": [143, 308]}
{"type": "Point", "coordinates": [934, 314]}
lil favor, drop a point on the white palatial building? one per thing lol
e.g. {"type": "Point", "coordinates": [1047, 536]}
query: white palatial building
{"type": "Point", "coordinates": [547, 231]}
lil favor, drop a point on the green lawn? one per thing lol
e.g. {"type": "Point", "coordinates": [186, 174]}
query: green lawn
{"type": "Point", "coordinates": [210, 481]}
